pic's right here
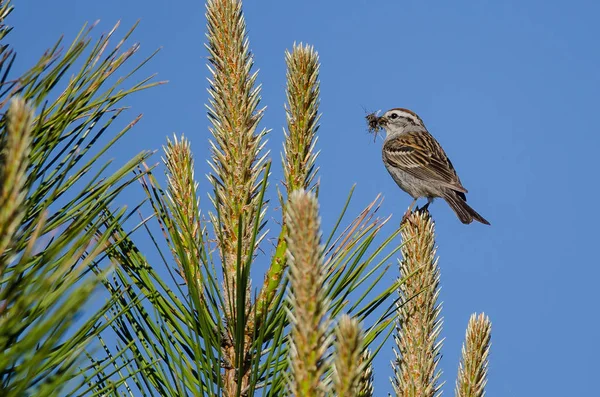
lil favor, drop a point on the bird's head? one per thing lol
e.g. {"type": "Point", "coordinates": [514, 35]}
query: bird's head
{"type": "Point", "coordinates": [396, 120]}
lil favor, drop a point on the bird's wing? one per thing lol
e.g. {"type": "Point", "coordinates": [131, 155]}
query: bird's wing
{"type": "Point", "coordinates": [420, 155]}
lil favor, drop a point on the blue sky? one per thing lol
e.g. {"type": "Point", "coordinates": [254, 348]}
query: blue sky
{"type": "Point", "coordinates": [509, 89]}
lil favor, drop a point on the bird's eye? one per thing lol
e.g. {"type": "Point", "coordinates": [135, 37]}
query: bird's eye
{"type": "Point", "coordinates": [394, 116]}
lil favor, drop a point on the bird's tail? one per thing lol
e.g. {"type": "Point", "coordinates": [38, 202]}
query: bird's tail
{"type": "Point", "coordinates": [465, 213]}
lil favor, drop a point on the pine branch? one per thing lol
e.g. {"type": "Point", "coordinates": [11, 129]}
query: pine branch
{"type": "Point", "coordinates": [185, 207]}
{"type": "Point", "coordinates": [302, 115]}
{"type": "Point", "coordinates": [347, 368]}
{"type": "Point", "coordinates": [236, 161]}
{"type": "Point", "coordinates": [14, 161]}
{"type": "Point", "coordinates": [472, 370]}
{"type": "Point", "coordinates": [239, 172]}
{"type": "Point", "coordinates": [365, 382]}
{"type": "Point", "coordinates": [53, 195]}
{"type": "Point", "coordinates": [419, 322]}
{"type": "Point", "coordinates": [308, 313]}
{"type": "Point", "coordinates": [299, 156]}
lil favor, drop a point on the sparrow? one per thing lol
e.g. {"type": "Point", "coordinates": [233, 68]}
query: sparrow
{"type": "Point", "coordinates": [418, 164]}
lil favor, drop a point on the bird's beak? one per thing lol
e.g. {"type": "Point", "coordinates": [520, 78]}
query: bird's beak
{"type": "Point", "coordinates": [381, 121]}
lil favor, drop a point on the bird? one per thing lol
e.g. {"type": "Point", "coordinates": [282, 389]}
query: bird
{"type": "Point", "coordinates": [418, 164]}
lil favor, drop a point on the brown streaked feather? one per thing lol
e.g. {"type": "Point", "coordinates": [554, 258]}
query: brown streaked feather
{"type": "Point", "coordinates": [420, 155]}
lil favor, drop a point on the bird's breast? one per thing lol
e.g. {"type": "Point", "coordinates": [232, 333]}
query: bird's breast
{"type": "Point", "coordinates": [411, 185]}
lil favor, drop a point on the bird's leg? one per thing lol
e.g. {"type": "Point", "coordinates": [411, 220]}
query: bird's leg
{"type": "Point", "coordinates": [426, 206]}
{"type": "Point", "coordinates": [410, 207]}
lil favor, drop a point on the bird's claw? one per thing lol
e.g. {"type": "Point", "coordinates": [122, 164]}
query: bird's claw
{"type": "Point", "coordinates": [424, 208]}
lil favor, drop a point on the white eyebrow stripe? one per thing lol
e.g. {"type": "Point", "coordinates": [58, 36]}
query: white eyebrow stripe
{"type": "Point", "coordinates": [408, 115]}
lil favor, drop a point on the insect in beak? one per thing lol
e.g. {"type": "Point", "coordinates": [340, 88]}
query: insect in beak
{"type": "Point", "coordinates": [374, 124]}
